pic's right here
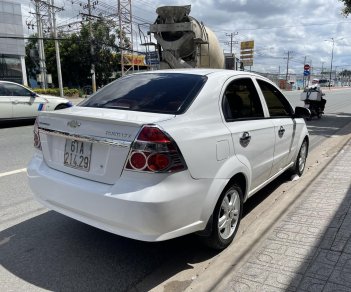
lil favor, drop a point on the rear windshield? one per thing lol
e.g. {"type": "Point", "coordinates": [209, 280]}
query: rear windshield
{"type": "Point", "coordinates": [170, 93]}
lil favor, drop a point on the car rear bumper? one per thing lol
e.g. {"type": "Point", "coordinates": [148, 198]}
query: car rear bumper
{"type": "Point", "coordinates": [143, 206]}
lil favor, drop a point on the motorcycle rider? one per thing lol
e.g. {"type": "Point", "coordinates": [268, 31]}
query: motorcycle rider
{"type": "Point", "coordinates": [317, 87]}
{"type": "Point", "coordinates": [313, 99]}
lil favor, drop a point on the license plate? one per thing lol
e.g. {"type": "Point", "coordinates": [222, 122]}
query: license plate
{"type": "Point", "coordinates": [77, 154]}
{"type": "Point", "coordinates": [307, 105]}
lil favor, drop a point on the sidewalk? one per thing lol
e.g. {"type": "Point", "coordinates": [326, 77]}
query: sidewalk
{"type": "Point", "coordinates": [310, 248]}
{"type": "Point", "coordinates": [76, 100]}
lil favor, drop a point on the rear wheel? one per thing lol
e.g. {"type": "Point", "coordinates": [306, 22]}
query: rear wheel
{"type": "Point", "coordinates": [310, 116]}
{"type": "Point", "coordinates": [319, 113]}
{"type": "Point", "coordinates": [300, 162]}
{"type": "Point", "coordinates": [226, 218]}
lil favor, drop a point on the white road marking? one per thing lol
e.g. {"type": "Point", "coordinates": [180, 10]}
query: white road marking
{"type": "Point", "coordinates": [13, 172]}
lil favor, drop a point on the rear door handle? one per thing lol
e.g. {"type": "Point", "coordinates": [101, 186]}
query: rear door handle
{"type": "Point", "coordinates": [245, 139]}
{"type": "Point", "coordinates": [281, 131]}
{"type": "Point", "coordinates": [15, 102]}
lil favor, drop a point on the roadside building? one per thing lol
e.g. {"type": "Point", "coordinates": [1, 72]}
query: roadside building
{"type": "Point", "coordinates": [12, 48]}
{"type": "Point", "coordinates": [231, 62]}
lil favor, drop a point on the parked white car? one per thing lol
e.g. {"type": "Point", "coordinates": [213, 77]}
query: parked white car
{"type": "Point", "coordinates": [157, 155]}
{"type": "Point", "coordinates": [18, 102]}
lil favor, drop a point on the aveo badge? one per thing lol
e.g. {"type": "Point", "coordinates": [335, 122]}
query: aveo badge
{"type": "Point", "coordinates": [73, 124]}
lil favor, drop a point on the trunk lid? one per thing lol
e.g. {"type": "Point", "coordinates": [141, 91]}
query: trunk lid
{"type": "Point", "coordinates": [91, 143]}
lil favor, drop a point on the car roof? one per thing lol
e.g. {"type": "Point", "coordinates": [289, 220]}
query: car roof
{"type": "Point", "coordinates": [4, 81]}
{"type": "Point", "coordinates": [204, 72]}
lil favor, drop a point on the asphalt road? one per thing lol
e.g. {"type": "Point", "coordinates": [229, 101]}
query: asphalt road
{"type": "Point", "coordinates": [43, 250]}
{"type": "Point", "coordinates": [337, 113]}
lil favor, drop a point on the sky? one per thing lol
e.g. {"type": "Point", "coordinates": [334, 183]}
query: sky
{"type": "Point", "coordinates": [304, 28]}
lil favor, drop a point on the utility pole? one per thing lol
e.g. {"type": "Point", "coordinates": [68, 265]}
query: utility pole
{"type": "Point", "coordinates": [50, 10]}
{"type": "Point", "coordinates": [92, 70]}
{"type": "Point", "coordinates": [125, 33]}
{"type": "Point", "coordinates": [304, 79]}
{"type": "Point", "coordinates": [57, 49]}
{"type": "Point", "coordinates": [287, 66]}
{"type": "Point", "coordinates": [309, 76]}
{"type": "Point", "coordinates": [42, 63]}
{"type": "Point", "coordinates": [231, 41]}
{"type": "Point", "coordinates": [331, 62]}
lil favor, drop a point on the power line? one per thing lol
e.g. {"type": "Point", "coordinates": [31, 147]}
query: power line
{"type": "Point", "coordinates": [291, 26]}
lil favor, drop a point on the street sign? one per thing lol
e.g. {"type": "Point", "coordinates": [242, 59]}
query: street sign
{"type": "Point", "coordinates": [306, 67]}
{"type": "Point", "coordinates": [247, 62]}
{"type": "Point", "coordinates": [244, 56]}
{"type": "Point", "coordinates": [306, 72]}
{"type": "Point", "coordinates": [247, 53]}
{"type": "Point", "coordinates": [248, 45]}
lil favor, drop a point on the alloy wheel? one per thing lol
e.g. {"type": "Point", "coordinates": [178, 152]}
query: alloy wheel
{"type": "Point", "coordinates": [229, 213]}
{"type": "Point", "coordinates": [302, 157]}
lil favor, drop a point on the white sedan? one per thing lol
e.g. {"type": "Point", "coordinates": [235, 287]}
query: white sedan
{"type": "Point", "coordinates": [157, 155]}
{"type": "Point", "coordinates": [18, 102]}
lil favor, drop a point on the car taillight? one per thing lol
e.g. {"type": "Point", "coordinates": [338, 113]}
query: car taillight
{"type": "Point", "coordinates": [154, 151]}
{"type": "Point", "coordinates": [37, 143]}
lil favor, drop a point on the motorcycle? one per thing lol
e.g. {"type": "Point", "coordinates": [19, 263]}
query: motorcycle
{"type": "Point", "coordinates": [314, 101]}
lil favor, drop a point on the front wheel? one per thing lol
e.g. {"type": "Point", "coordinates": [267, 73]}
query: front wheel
{"type": "Point", "coordinates": [61, 106]}
{"type": "Point", "coordinates": [226, 218]}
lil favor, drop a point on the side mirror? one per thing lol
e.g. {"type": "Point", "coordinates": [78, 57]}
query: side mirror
{"type": "Point", "coordinates": [33, 94]}
{"type": "Point", "coordinates": [301, 112]}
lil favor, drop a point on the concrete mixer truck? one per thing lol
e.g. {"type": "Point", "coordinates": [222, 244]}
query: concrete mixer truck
{"type": "Point", "coordinates": [183, 41]}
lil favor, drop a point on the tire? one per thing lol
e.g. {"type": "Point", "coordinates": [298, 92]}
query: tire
{"type": "Point", "coordinates": [87, 90]}
{"type": "Point", "coordinates": [310, 116]}
{"type": "Point", "coordinates": [226, 218]}
{"type": "Point", "coordinates": [61, 106]}
{"type": "Point", "coordinates": [300, 162]}
{"type": "Point", "coordinates": [319, 113]}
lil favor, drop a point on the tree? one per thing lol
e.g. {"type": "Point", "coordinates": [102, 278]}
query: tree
{"type": "Point", "coordinates": [105, 49]}
{"type": "Point", "coordinates": [32, 58]}
{"type": "Point", "coordinates": [347, 7]}
{"type": "Point", "coordinates": [76, 57]}
{"type": "Point", "coordinates": [75, 60]}
{"type": "Point", "coordinates": [345, 73]}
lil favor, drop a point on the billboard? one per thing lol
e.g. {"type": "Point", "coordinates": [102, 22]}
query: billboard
{"type": "Point", "coordinates": [246, 55]}
{"type": "Point", "coordinates": [248, 45]}
{"type": "Point", "coordinates": [247, 62]}
{"type": "Point", "coordinates": [247, 52]}
{"type": "Point", "coordinates": [137, 60]}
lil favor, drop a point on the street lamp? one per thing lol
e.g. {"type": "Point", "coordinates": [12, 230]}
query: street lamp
{"type": "Point", "coordinates": [331, 60]}
{"type": "Point", "coordinates": [322, 69]}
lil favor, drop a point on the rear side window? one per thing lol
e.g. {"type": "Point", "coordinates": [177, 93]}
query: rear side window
{"type": "Point", "coordinates": [4, 91]}
{"type": "Point", "coordinates": [241, 101]}
{"type": "Point", "coordinates": [277, 104]}
{"type": "Point", "coordinates": [170, 93]}
{"type": "Point", "coordinates": [17, 90]}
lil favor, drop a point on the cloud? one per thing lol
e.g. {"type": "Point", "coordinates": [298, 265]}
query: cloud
{"type": "Point", "coordinates": [297, 26]}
